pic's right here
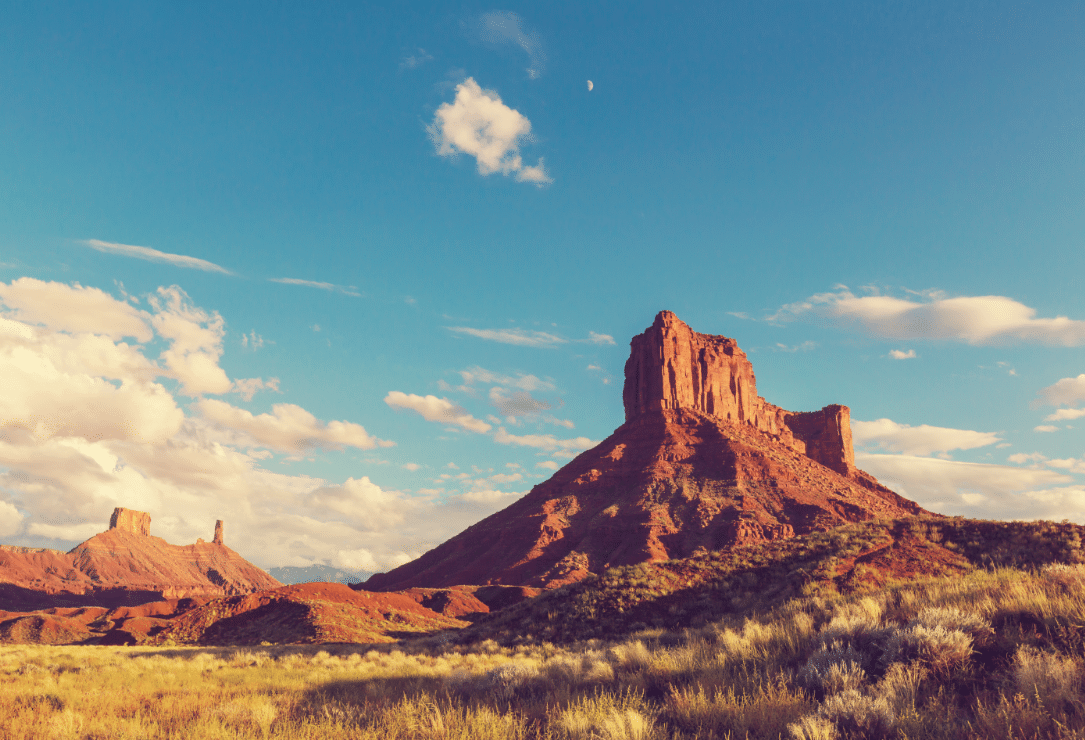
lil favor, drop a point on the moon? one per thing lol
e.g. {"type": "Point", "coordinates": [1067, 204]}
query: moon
{"type": "Point", "coordinates": [590, 86]}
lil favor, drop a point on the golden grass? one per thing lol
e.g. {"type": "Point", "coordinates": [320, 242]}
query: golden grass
{"type": "Point", "coordinates": [993, 654]}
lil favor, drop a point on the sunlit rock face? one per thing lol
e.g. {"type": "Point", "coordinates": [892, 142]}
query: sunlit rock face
{"type": "Point", "coordinates": [672, 367]}
{"type": "Point", "coordinates": [701, 463]}
{"type": "Point", "coordinates": [126, 520]}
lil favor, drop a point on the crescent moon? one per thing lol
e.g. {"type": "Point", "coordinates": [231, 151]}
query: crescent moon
{"type": "Point", "coordinates": [590, 86]}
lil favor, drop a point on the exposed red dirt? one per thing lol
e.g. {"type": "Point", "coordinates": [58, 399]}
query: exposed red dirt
{"type": "Point", "coordinates": [305, 613]}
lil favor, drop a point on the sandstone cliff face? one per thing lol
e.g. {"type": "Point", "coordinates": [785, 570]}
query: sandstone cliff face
{"type": "Point", "coordinates": [701, 462]}
{"type": "Point", "coordinates": [126, 520]}
{"type": "Point", "coordinates": [672, 367]}
{"type": "Point", "coordinates": [125, 565]}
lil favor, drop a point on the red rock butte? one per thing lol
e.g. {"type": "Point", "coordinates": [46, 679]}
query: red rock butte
{"type": "Point", "coordinates": [701, 463]}
{"type": "Point", "coordinates": [125, 565]}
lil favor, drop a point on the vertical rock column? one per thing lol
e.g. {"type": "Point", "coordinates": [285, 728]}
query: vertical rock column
{"type": "Point", "coordinates": [218, 533]}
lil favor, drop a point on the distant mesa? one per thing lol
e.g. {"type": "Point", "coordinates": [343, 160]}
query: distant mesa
{"type": "Point", "coordinates": [701, 463]}
{"type": "Point", "coordinates": [125, 565]}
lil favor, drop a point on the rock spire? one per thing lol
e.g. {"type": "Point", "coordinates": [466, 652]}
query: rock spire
{"type": "Point", "coordinates": [672, 367]}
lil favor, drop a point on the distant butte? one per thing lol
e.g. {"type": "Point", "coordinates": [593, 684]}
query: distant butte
{"type": "Point", "coordinates": [125, 565]}
{"type": "Point", "coordinates": [701, 463]}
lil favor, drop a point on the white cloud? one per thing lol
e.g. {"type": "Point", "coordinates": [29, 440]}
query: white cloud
{"type": "Point", "coordinates": [479, 124]}
{"type": "Point", "coordinates": [1045, 428]}
{"type": "Point", "coordinates": [1022, 457]}
{"type": "Point", "coordinates": [489, 496]}
{"type": "Point", "coordinates": [1066, 391]}
{"type": "Point", "coordinates": [521, 381]}
{"type": "Point", "coordinates": [11, 521]}
{"type": "Point", "coordinates": [252, 340]}
{"type": "Point", "coordinates": [195, 338]}
{"type": "Point", "coordinates": [348, 290]}
{"type": "Point", "coordinates": [971, 319]}
{"type": "Point", "coordinates": [545, 442]}
{"type": "Point", "coordinates": [363, 503]}
{"type": "Point", "coordinates": [1065, 415]}
{"type": "Point", "coordinates": [247, 387]}
{"type": "Point", "coordinates": [804, 347]}
{"type": "Point", "coordinates": [503, 27]}
{"type": "Point", "coordinates": [289, 428]}
{"type": "Point", "coordinates": [153, 255]}
{"type": "Point", "coordinates": [522, 337]}
{"type": "Point", "coordinates": [73, 308]}
{"type": "Point", "coordinates": [411, 466]}
{"type": "Point", "coordinates": [519, 403]}
{"type": "Point", "coordinates": [432, 408]}
{"type": "Point", "coordinates": [547, 465]}
{"type": "Point", "coordinates": [1069, 464]}
{"type": "Point", "coordinates": [920, 440]}
{"type": "Point", "coordinates": [600, 338]}
{"type": "Point", "coordinates": [506, 477]}
{"type": "Point", "coordinates": [899, 354]}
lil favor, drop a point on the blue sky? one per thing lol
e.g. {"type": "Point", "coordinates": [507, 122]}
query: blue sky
{"type": "Point", "coordinates": [287, 265]}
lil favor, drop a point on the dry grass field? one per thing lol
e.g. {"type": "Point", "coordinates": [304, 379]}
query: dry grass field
{"type": "Point", "coordinates": [996, 653]}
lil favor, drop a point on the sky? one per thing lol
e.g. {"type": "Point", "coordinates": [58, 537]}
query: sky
{"type": "Point", "coordinates": [352, 278]}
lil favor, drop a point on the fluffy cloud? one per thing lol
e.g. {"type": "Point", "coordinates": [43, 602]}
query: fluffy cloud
{"type": "Point", "coordinates": [921, 440]}
{"type": "Point", "coordinates": [1065, 415]}
{"type": "Point", "coordinates": [547, 465]}
{"type": "Point", "coordinates": [600, 338]}
{"type": "Point", "coordinates": [432, 408]}
{"type": "Point", "coordinates": [73, 308]}
{"type": "Point", "coordinates": [363, 503]}
{"type": "Point", "coordinates": [195, 338]}
{"type": "Point", "coordinates": [546, 442]}
{"type": "Point", "coordinates": [1045, 428]}
{"type": "Point", "coordinates": [522, 337]}
{"type": "Point", "coordinates": [153, 255]}
{"type": "Point", "coordinates": [479, 124]}
{"type": "Point", "coordinates": [10, 519]}
{"type": "Point", "coordinates": [899, 354]}
{"type": "Point", "coordinates": [1066, 391]}
{"type": "Point", "coordinates": [971, 319]}
{"type": "Point", "coordinates": [289, 428]}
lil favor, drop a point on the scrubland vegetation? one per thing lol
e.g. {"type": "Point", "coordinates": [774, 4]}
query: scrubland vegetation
{"type": "Point", "coordinates": [995, 653]}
